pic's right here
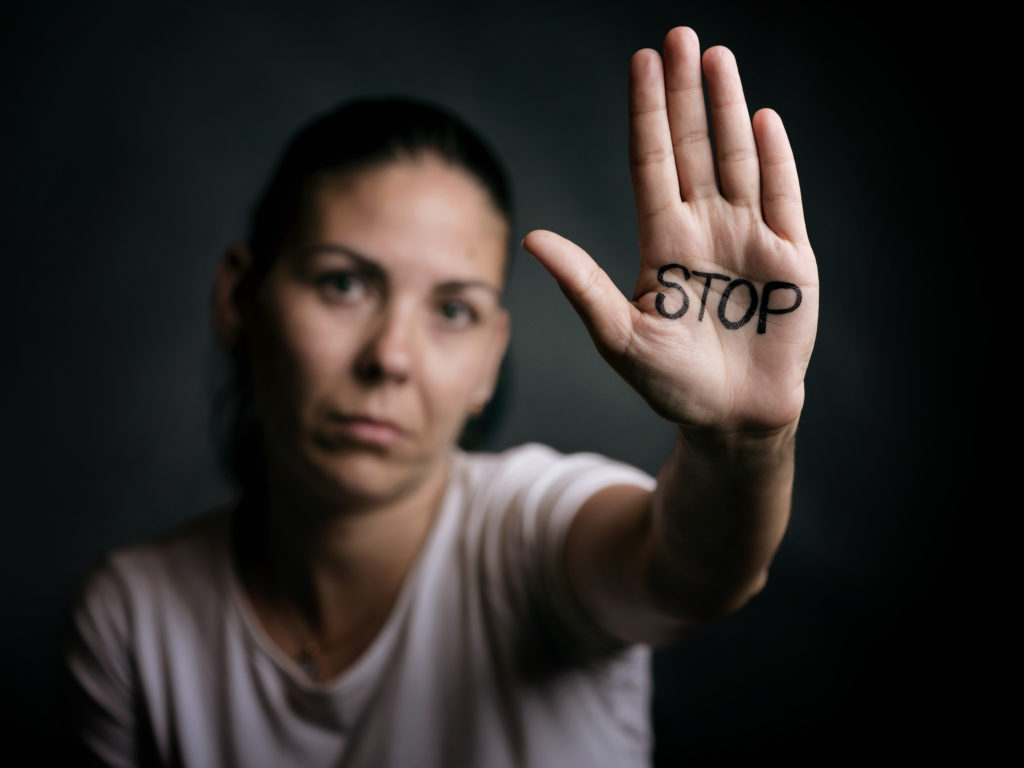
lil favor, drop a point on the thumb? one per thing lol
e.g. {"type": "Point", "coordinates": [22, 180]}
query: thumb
{"type": "Point", "coordinates": [596, 299]}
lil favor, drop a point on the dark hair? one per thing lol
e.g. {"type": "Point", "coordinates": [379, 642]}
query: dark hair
{"type": "Point", "coordinates": [352, 137]}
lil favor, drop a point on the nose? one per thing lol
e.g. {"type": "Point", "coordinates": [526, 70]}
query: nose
{"type": "Point", "coordinates": [389, 349]}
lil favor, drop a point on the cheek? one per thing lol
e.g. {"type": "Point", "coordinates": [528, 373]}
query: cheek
{"type": "Point", "coordinates": [300, 359]}
{"type": "Point", "coordinates": [315, 346]}
{"type": "Point", "coordinates": [458, 369]}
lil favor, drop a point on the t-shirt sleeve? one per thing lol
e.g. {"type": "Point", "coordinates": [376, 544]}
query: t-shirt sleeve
{"type": "Point", "coordinates": [539, 491]}
{"type": "Point", "coordinates": [98, 695]}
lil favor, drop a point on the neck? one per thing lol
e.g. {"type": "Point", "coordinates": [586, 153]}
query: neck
{"type": "Point", "coordinates": [331, 569]}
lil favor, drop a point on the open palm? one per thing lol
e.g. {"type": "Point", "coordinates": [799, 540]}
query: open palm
{"type": "Point", "coordinates": [722, 322]}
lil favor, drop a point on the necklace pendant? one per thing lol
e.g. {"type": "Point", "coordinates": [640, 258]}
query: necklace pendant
{"type": "Point", "coordinates": [309, 665]}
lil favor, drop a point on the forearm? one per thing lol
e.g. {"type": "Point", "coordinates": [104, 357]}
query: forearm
{"type": "Point", "coordinates": [718, 515]}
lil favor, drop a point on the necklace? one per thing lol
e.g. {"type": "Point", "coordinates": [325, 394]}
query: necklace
{"type": "Point", "coordinates": [307, 659]}
{"type": "Point", "coordinates": [314, 655]}
{"type": "Point", "coordinates": [311, 651]}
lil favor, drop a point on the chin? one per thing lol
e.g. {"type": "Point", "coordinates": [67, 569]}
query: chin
{"type": "Point", "coordinates": [364, 475]}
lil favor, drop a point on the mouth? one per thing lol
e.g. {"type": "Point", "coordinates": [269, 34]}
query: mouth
{"type": "Point", "coordinates": [365, 430]}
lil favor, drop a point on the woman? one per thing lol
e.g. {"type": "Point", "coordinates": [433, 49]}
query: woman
{"type": "Point", "coordinates": [379, 597]}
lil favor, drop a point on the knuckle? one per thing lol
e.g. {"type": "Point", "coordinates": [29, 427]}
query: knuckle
{"type": "Point", "coordinates": [654, 156]}
{"type": "Point", "coordinates": [738, 156]}
{"type": "Point", "coordinates": [591, 286]}
{"type": "Point", "coordinates": [780, 197]}
{"type": "Point", "coordinates": [687, 138]}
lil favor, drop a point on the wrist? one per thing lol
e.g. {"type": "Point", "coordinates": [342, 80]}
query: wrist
{"type": "Point", "coordinates": [738, 445]}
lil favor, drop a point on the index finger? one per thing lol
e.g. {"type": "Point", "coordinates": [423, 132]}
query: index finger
{"type": "Point", "coordinates": [780, 188]}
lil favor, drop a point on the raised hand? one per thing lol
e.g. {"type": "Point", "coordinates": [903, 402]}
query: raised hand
{"type": "Point", "coordinates": [721, 326]}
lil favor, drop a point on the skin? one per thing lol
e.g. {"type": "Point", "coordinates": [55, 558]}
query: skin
{"type": "Point", "coordinates": [375, 335]}
{"type": "Point", "coordinates": [388, 309]}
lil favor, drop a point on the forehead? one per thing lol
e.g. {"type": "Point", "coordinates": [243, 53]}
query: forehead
{"type": "Point", "coordinates": [418, 217]}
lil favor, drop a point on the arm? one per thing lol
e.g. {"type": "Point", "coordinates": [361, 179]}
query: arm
{"type": "Point", "coordinates": [716, 339]}
{"type": "Point", "coordinates": [98, 704]}
{"type": "Point", "coordinates": [654, 567]}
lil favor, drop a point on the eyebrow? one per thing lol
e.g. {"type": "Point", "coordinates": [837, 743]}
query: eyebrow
{"type": "Point", "coordinates": [371, 267]}
{"type": "Point", "coordinates": [453, 286]}
{"type": "Point", "coordinates": [377, 272]}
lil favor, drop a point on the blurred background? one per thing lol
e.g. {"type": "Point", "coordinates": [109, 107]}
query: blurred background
{"type": "Point", "coordinates": [136, 136]}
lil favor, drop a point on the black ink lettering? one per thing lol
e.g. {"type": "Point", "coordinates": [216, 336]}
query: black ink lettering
{"type": "Point", "coordinates": [707, 287]}
{"type": "Point", "coordinates": [775, 285]}
{"type": "Point", "coordinates": [659, 302]}
{"type": "Point", "coordinates": [725, 300]}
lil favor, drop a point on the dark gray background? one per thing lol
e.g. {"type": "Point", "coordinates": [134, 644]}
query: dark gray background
{"type": "Point", "coordinates": [136, 136]}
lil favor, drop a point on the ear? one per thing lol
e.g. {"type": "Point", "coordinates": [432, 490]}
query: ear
{"type": "Point", "coordinates": [489, 382]}
{"type": "Point", "coordinates": [227, 316]}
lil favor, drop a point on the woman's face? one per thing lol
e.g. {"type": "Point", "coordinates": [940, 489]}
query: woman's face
{"type": "Point", "coordinates": [379, 328]}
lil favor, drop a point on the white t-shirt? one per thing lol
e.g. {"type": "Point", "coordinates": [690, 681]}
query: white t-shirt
{"type": "Point", "coordinates": [485, 660]}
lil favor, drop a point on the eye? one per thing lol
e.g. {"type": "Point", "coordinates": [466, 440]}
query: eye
{"type": "Point", "coordinates": [456, 313]}
{"type": "Point", "coordinates": [342, 286]}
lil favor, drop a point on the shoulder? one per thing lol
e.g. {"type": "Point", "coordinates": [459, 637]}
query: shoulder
{"type": "Point", "coordinates": [128, 611]}
{"type": "Point", "coordinates": [178, 551]}
{"type": "Point", "coordinates": [537, 474]}
{"type": "Point", "coordinates": [517, 508]}
{"type": "Point", "coordinates": [137, 592]}
{"type": "Point", "coordinates": [536, 461]}
{"type": "Point", "coordinates": [137, 576]}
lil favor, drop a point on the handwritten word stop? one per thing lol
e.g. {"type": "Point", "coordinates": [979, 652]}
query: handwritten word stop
{"type": "Point", "coordinates": [754, 302]}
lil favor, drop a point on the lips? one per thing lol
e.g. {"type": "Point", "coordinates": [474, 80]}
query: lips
{"type": "Point", "coordinates": [367, 430]}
